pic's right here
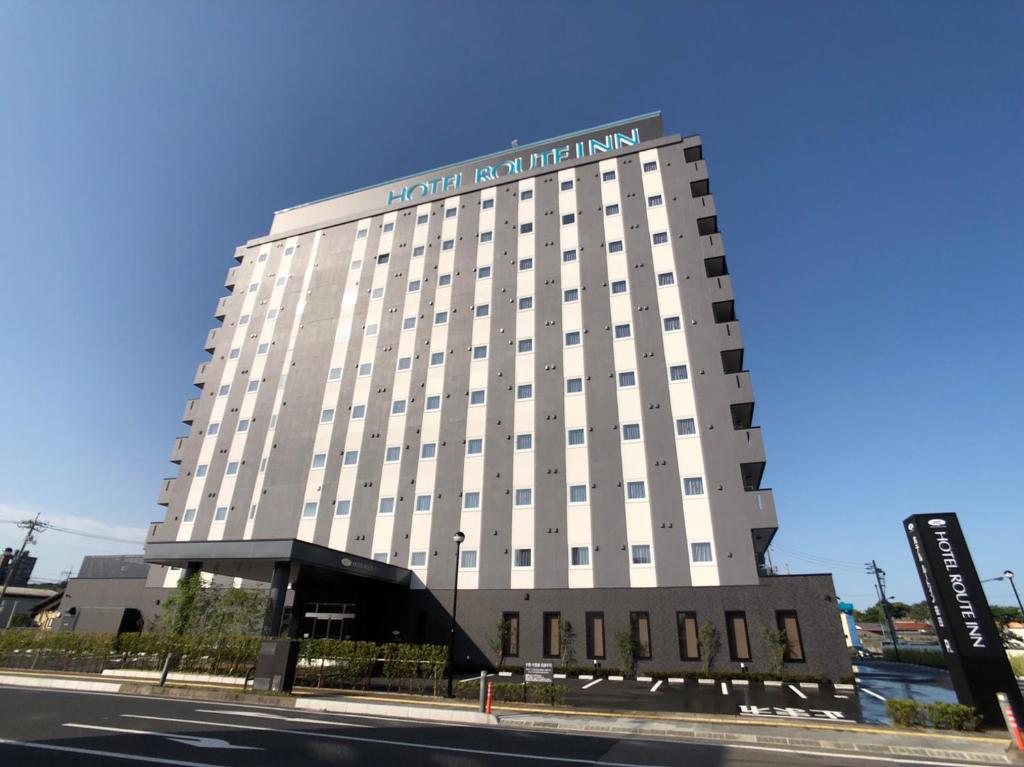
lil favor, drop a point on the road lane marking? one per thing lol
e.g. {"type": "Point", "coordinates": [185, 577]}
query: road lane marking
{"type": "Point", "coordinates": [725, 689]}
{"type": "Point", "coordinates": [588, 685]}
{"type": "Point", "coordinates": [872, 692]}
{"type": "Point", "coordinates": [797, 690]}
{"type": "Point", "coordinates": [188, 740]}
{"type": "Point", "coordinates": [264, 715]}
{"type": "Point", "coordinates": [657, 685]}
{"type": "Point", "coordinates": [107, 754]}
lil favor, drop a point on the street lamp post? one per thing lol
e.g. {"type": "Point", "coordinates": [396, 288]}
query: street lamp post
{"type": "Point", "coordinates": [1008, 575]}
{"type": "Point", "coordinates": [459, 537]}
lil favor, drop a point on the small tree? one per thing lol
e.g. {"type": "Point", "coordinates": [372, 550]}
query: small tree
{"type": "Point", "coordinates": [179, 606]}
{"type": "Point", "coordinates": [710, 643]}
{"type": "Point", "coordinates": [777, 642]}
{"type": "Point", "coordinates": [628, 647]}
{"type": "Point", "coordinates": [499, 639]}
{"type": "Point", "coordinates": [567, 641]}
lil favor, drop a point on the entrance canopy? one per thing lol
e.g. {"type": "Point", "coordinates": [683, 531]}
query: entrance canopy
{"type": "Point", "coordinates": [311, 565]}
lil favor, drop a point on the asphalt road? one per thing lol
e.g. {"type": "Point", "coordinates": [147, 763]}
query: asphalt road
{"type": "Point", "coordinates": [878, 681]}
{"type": "Point", "coordinates": [57, 727]}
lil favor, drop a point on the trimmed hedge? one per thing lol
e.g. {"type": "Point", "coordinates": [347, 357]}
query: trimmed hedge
{"type": "Point", "coordinates": [512, 692]}
{"type": "Point", "coordinates": [941, 716]}
{"type": "Point", "coordinates": [754, 676]}
{"type": "Point", "coordinates": [932, 658]}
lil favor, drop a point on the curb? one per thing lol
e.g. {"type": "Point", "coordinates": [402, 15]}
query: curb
{"type": "Point", "coordinates": [395, 711]}
{"type": "Point", "coordinates": [82, 685]}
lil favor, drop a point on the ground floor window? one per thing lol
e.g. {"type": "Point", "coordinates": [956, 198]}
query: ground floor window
{"type": "Point", "coordinates": [595, 636]}
{"type": "Point", "coordinates": [689, 644]}
{"type": "Point", "coordinates": [640, 626]}
{"type": "Point", "coordinates": [510, 635]}
{"type": "Point", "coordinates": [739, 643]}
{"type": "Point", "coordinates": [787, 622]}
{"type": "Point", "coordinates": [552, 635]}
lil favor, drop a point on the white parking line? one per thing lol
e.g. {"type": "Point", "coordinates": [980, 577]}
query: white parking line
{"type": "Point", "coordinates": [657, 685]}
{"type": "Point", "coordinates": [797, 690]}
{"type": "Point", "coordinates": [725, 689]}
{"type": "Point", "coordinates": [107, 754]}
{"type": "Point", "coordinates": [264, 715]}
{"type": "Point", "coordinates": [872, 693]}
{"type": "Point", "coordinates": [588, 685]}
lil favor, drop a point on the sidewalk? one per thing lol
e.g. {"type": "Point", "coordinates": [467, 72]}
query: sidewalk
{"type": "Point", "coordinates": [964, 748]}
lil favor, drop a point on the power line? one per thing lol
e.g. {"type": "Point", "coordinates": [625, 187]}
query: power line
{"type": "Point", "coordinates": [837, 562]}
{"type": "Point", "coordinates": [69, 531]}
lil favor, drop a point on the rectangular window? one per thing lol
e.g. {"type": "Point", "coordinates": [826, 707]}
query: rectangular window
{"type": "Point", "coordinates": [576, 437]}
{"type": "Point", "coordinates": [189, 517]}
{"type": "Point", "coordinates": [272, 314]}
{"type": "Point", "coordinates": [623, 331]}
{"type": "Point", "coordinates": [524, 345]}
{"type": "Point", "coordinates": [414, 285]}
{"type": "Point", "coordinates": [243, 320]}
{"type": "Point", "coordinates": [631, 431]}
{"type": "Point", "coordinates": [252, 511]}
{"type": "Point", "coordinates": [510, 635]}
{"type": "Point", "coordinates": [573, 385]}
{"type": "Point", "coordinates": [448, 245]}
{"type": "Point", "coordinates": [672, 323]}
{"type": "Point", "coordinates": [477, 397]}
{"type": "Point", "coordinates": [319, 460]}
{"type": "Point", "coordinates": [423, 502]}
{"type": "Point", "coordinates": [309, 510]}
{"type": "Point", "coordinates": [595, 621]}
{"type": "Point", "coordinates": [579, 556]}
{"type": "Point", "coordinates": [389, 226]}
{"type": "Point", "coordinates": [224, 390]}
{"type": "Point", "coordinates": [468, 560]}
{"type": "Point", "coordinates": [440, 318]}
{"type": "Point", "coordinates": [263, 348]}
{"type": "Point", "coordinates": [612, 209]}
{"type": "Point", "coordinates": [444, 279]}
{"type": "Point", "coordinates": [700, 552]}
{"type": "Point", "coordinates": [577, 494]}
{"type": "Point", "coordinates": [404, 363]}
{"type": "Point", "coordinates": [608, 175]}
{"type": "Point", "coordinates": [568, 256]}
{"type": "Point", "coordinates": [418, 251]}
{"type": "Point", "coordinates": [334, 374]}
{"type": "Point", "coordinates": [233, 354]}
{"type": "Point", "coordinates": [212, 430]}
{"type": "Point", "coordinates": [571, 294]}
{"type": "Point", "coordinates": [398, 407]}
{"type": "Point", "coordinates": [640, 628]}
{"type": "Point", "coordinates": [380, 556]}
{"type": "Point", "coordinates": [360, 234]}
{"type": "Point", "coordinates": [525, 264]}
{"type": "Point", "coordinates": [428, 450]}
{"type": "Point", "coordinates": [524, 496]}
{"type": "Point", "coordinates": [678, 373]}
{"type": "Point", "coordinates": [615, 246]}
{"type": "Point", "coordinates": [253, 387]}
{"type": "Point", "coordinates": [408, 323]}
{"type": "Point", "coordinates": [666, 278]}
{"type": "Point", "coordinates": [523, 558]}
{"type": "Point", "coordinates": [365, 368]}
{"type": "Point", "coordinates": [526, 194]}
{"type": "Point", "coordinates": [451, 212]}
{"type": "Point", "coordinates": [483, 272]}
{"type": "Point", "coordinates": [486, 236]}
{"type": "Point", "coordinates": [386, 506]}
{"type": "Point", "coordinates": [685, 427]}
{"type": "Point", "coordinates": [736, 628]}
{"type": "Point", "coordinates": [220, 514]}
{"type": "Point", "coordinates": [636, 490]}
{"type": "Point", "coordinates": [243, 425]}
{"type": "Point", "coordinates": [433, 402]}
{"type": "Point", "coordinates": [358, 412]}
{"type": "Point", "coordinates": [787, 623]}
{"type": "Point", "coordinates": [482, 310]}
{"type": "Point", "coordinates": [232, 469]}
{"type": "Point", "coordinates": [437, 358]}
{"type": "Point", "coordinates": [649, 166]}
{"type": "Point", "coordinates": [383, 258]}
{"type": "Point", "coordinates": [201, 470]}
{"type": "Point", "coordinates": [471, 500]}
{"type": "Point", "coordinates": [526, 228]}
{"type": "Point", "coordinates": [355, 267]}
{"type": "Point", "coordinates": [524, 391]}
{"type": "Point", "coordinates": [488, 204]}
{"type": "Point", "coordinates": [660, 238]}
{"type": "Point", "coordinates": [566, 185]}
{"type": "Point", "coordinates": [526, 302]}
{"type": "Point", "coordinates": [475, 446]}
{"type": "Point", "coordinates": [342, 507]}
{"type": "Point", "coordinates": [689, 646]}
{"type": "Point", "coordinates": [351, 458]}
{"type": "Point", "coordinates": [422, 218]}
{"type": "Point", "coordinates": [392, 454]}
{"type": "Point", "coordinates": [627, 378]}
{"type": "Point", "coordinates": [654, 201]}
{"type": "Point", "coordinates": [693, 486]}
{"type": "Point", "coordinates": [253, 287]}
{"type": "Point", "coordinates": [568, 218]}
{"type": "Point", "coordinates": [418, 559]}
{"type": "Point", "coordinates": [524, 442]}
{"type": "Point", "coordinates": [327, 415]}
{"type": "Point", "coordinates": [480, 352]}
{"type": "Point", "coordinates": [572, 338]}
{"type": "Point", "coordinates": [552, 635]}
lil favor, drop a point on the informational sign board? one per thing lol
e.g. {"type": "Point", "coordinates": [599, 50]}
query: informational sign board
{"type": "Point", "coordinates": [540, 672]}
{"type": "Point", "coordinates": [968, 635]}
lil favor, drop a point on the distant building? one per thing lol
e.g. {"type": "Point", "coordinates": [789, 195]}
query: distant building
{"type": "Point", "coordinates": [19, 601]}
{"type": "Point", "coordinates": [105, 595]}
{"type": "Point", "coordinates": [849, 624]}
{"type": "Point", "coordinates": [22, 568]}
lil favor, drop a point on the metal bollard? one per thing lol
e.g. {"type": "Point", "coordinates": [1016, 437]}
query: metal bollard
{"type": "Point", "coordinates": [490, 695]}
{"type": "Point", "coordinates": [166, 669]}
{"type": "Point", "coordinates": [483, 690]}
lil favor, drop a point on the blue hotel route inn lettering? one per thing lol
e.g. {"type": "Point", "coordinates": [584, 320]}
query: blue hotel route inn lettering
{"type": "Point", "coordinates": [509, 168]}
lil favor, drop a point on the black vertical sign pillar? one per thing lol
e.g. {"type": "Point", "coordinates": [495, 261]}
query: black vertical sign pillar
{"type": "Point", "coordinates": [970, 640]}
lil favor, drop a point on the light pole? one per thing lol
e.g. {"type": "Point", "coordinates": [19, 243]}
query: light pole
{"type": "Point", "coordinates": [459, 537]}
{"type": "Point", "coordinates": [1008, 576]}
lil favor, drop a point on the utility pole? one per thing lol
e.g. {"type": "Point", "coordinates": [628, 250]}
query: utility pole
{"type": "Point", "coordinates": [31, 525]}
{"type": "Point", "coordinates": [883, 600]}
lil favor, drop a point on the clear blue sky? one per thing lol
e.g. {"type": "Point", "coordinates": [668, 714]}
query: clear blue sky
{"type": "Point", "coordinates": [865, 159]}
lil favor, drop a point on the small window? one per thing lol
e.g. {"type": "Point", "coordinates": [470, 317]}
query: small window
{"type": "Point", "coordinates": [418, 251]}
{"type": "Point", "coordinates": [418, 559]}
{"type": "Point", "coordinates": [398, 407]}
{"type": "Point", "coordinates": [483, 272]}
{"type": "Point", "coordinates": [309, 510]}
{"type": "Point", "coordinates": [319, 460]}
{"type": "Point", "coordinates": [448, 245]}
{"type": "Point", "coordinates": [471, 500]}
{"type": "Point", "coordinates": [787, 622]}
{"type": "Point", "coordinates": [611, 210]}
{"type": "Point", "coordinates": [573, 385]}
{"type": "Point", "coordinates": [568, 255]}
{"type": "Point", "coordinates": [355, 267]}
{"type": "Point", "coordinates": [383, 258]}
{"type": "Point", "coordinates": [608, 175]}
{"type": "Point", "coordinates": [640, 628]}
{"type": "Point", "coordinates": [428, 450]}
{"type": "Point", "coordinates": [654, 201]}
{"type": "Point", "coordinates": [739, 642]}
{"type": "Point", "coordinates": [467, 561]}
{"type": "Point", "coordinates": [579, 556]}
{"type": "Point", "coordinates": [243, 320]}
{"type": "Point", "coordinates": [685, 427]}
{"type": "Point", "coordinates": [477, 397]}
{"type": "Point", "coordinates": [371, 329]}
{"type": "Point", "coordinates": [351, 458]}
{"type": "Point", "coordinates": [380, 556]}
{"type": "Point", "coordinates": [232, 469]}
{"type": "Point", "coordinates": [526, 194]}
{"type": "Point", "coordinates": [342, 507]}
{"type": "Point", "coordinates": [524, 345]}
{"type": "Point", "coordinates": [253, 287]}
{"type": "Point", "coordinates": [671, 324]}
{"type": "Point", "coordinates": [568, 218]}
{"type": "Point", "coordinates": [475, 446]}
{"type": "Point", "coordinates": [576, 437]}
{"type": "Point", "coordinates": [659, 238]}
{"type": "Point", "coordinates": [451, 212]}
{"type": "Point", "coordinates": [524, 442]}
{"type": "Point", "coordinates": [386, 506]}
{"type": "Point", "coordinates": [423, 502]}
{"type": "Point", "coordinates": [525, 264]}
{"type": "Point", "coordinates": [487, 204]}
{"type": "Point", "coordinates": [630, 431]}
{"type": "Point", "coordinates": [189, 516]}
{"type": "Point", "coordinates": [577, 493]}
{"type": "Point", "coordinates": [440, 318]}
{"type": "Point", "coordinates": [389, 226]}
{"type": "Point", "coordinates": [220, 514]}
{"type": "Point", "coordinates": [693, 486]}
{"type": "Point", "coordinates": [212, 429]}
{"type": "Point", "coordinates": [253, 386]}
{"type": "Point", "coordinates": [201, 470]}
{"type": "Point", "coordinates": [392, 454]}
{"type": "Point", "coordinates": [486, 236]}
{"type": "Point", "coordinates": [409, 323]}
{"type": "Point", "coordinates": [678, 373]}
{"type": "Point", "coordinates": [552, 635]}
{"type": "Point", "coordinates": [640, 554]}
{"type": "Point", "coordinates": [524, 391]}
{"type": "Point", "coordinates": [360, 234]}
{"type": "Point", "coordinates": [444, 279]}
{"type": "Point", "coordinates": [263, 348]}
{"type": "Point", "coordinates": [666, 278]}
{"type": "Point", "coordinates": [526, 228]}
{"type": "Point", "coordinates": [233, 354]}
{"type": "Point", "coordinates": [358, 412]}
{"type": "Point", "coordinates": [404, 363]}
{"type": "Point", "coordinates": [623, 330]}
{"type": "Point", "coordinates": [649, 166]}
{"type": "Point", "coordinates": [572, 338]}
{"type": "Point", "coordinates": [700, 552]}
{"type": "Point", "coordinates": [619, 287]}
{"type": "Point", "coordinates": [636, 490]}
{"type": "Point", "coordinates": [243, 424]}
{"type": "Point", "coordinates": [689, 644]}
{"type": "Point", "coordinates": [334, 374]}
{"type": "Point", "coordinates": [566, 185]}
{"type": "Point", "coordinates": [365, 368]}
{"type": "Point", "coordinates": [422, 218]}
{"type": "Point", "coordinates": [480, 352]}
{"type": "Point", "coordinates": [571, 294]}
{"type": "Point", "coordinates": [523, 558]}
{"type": "Point", "coordinates": [272, 314]}
{"type": "Point", "coordinates": [627, 378]}
{"type": "Point", "coordinates": [510, 635]}
{"type": "Point", "coordinates": [414, 285]}
{"type": "Point", "coordinates": [526, 302]}
{"type": "Point", "coordinates": [433, 402]}
{"type": "Point", "coordinates": [224, 390]}
{"type": "Point", "coordinates": [595, 624]}
{"type": "Point", "coordinates": [262, 258]}
{"type": "Point", "coordinates": [615, 246]}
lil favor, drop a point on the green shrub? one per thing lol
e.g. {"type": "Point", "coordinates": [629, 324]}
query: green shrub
{"type": "Point", "coordinates": [1017, 664]}
{"type": "Point", "coordinates": [953, 716]}
{"type": "Point", "coordinates": [906, 713]}
{"type": "Point", "coordinates": [516, 692]}
{"type": "Point", "coordinates": [932, 658]}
